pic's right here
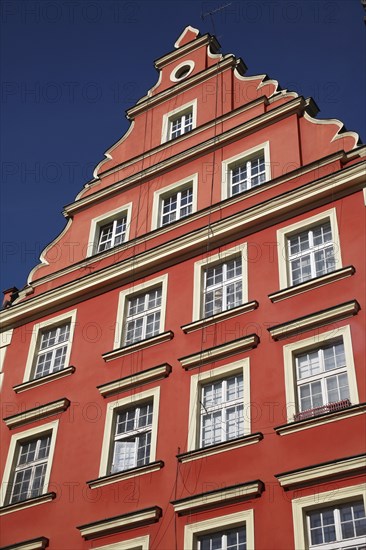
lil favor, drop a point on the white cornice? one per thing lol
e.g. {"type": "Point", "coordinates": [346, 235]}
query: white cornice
{"type": "Point", "coordinates": [313, 320]}
{"type": "Point", "coordinates": [204, 452]}
{"type": "Point", "coordinates": [243, 222]}
{"type": "Point", "coordinates": [9, 508]}
{"type": "Point", "coordinates": [220, 497]}
{"type": "Point", "coordinates": [216, 142]}
{"type": "Point", "coordinates": [136, 379]}
{"type": "Point", "coordinates": [120, 523]}
{"type": "Point", "coordinates": [34, 544]}
{"type": "Point", "coordinates": [127, 474]}
{"type": "Point", "coordinates": [322, 471]}
{"type": "Point", "coordinates": [228, 314]}
{"type": "Point", "coordinates": [38, 413]}
{"type": "Point", "coordinates": [132, 348]}
{"type": "Point", "coordinates": [219, 352]}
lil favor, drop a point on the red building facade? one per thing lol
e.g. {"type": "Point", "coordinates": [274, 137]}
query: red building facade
{"type": "Point", "coordinates": [185, 367]}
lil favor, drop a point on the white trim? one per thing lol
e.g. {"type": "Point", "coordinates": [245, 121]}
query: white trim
{"type": "Point", "coordinates": [189, 63]}
{"type": "Point", "coordinates": [335, 122]}
{"type": "Point", "coordinates": [170, 190]}
{"type": "Point", "coordinates": [139, 543]}
{"type": "Point", "coordinates": [97, 222]}
{"type": "Point", "coordinates": [315, 341]}
{"type": "Point", "coordinates": [192, 530]}
{"type": "Point", "coordinates": [36, 333]}
{"type": "Point", "coordinates": [245, 155]}
{"type": "Point", "coordinates": [319, 500]}
{"type": "Point", "coordinates": [5, 341]}
{"type": "Point", "coordinates": [112, 408]}
{"type": "Point", "coordinates": [285, 232]}
{"type": "Point", "coordinates": [108, 157]}
{"type": "Point", "coordinates": [197, 380]}
{"type": "Point", "coordinates": [183, 33]}
{"type": "Point", "coordinates": [17, 439]}
{"type": "Point", "coordinates": [220, 257]}
{"type": "Point", "coordinates": [182, 109]}
{"type": "Point", "coordinates": [130, 292]}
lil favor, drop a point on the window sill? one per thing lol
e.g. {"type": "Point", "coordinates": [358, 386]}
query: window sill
{"type": "Point", "coordinates": [126, 474]}
{"type": "Point", "coordinates": [220, 447]}
{"type": "Point", "coordinates": [135, 380]}
{"type": "Point", "coordinates": [9, 508]}
{"type": "Point", "coordinates": [43, 380]}
{"type": "Point", "coordinates": [312, 283]}
{"type": "Point", "coordinates": [318, 319]}
{"type": "Point", "coordinates": [228, 314]}
{"type": "Point", "coordinates": [219, 352]}
{"type": "Point", "coordinates": [148, 342]}
{"type": "Point", "coordinates": [33, 544]}
{"type": "Point", "coordinates": [326, 418]}
{"type": "Point", "coordinates": [37, 413]}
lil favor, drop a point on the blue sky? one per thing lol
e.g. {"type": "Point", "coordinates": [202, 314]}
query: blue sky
{"type": "Point", "coordinates": [71, 68]}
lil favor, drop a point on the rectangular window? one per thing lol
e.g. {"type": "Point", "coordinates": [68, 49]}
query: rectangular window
{"type": "Point", "coordinates": [322, 380]}
{"type": "Point", "coordinates": [308, 249]}
{"type": "Point", "coordinates": [130, 433]}
{"type": "Point", "coordinates": [230, 532]}
{"type": "Point", "coordinates": [30, 469]}
{"type": "Point", "coordinates": [112, 234]}
{"type": "Point", "coordinates": [247, 174]}
{"type": "Point", "coordinates": [246, 171]}
{"type": "Point", "coordinates": [143, 316]}
{"type": "Point", "coordinates": [311, 253]}
{"type": "Point", "coordinates": [180, 124]}
{"type": "Point", "coordinates": [28, 464]}
{"type": "Point", "coordinates": [221, 414]}
{"type": "Point", "coordinates": [222, 287]}
{"type": "Point", "coordinates": [180, 121]}
{"type": "Point", "coordinates": [232, 539]}
{"type": "Point", "coordinates": [331, 520]}
{"type": "Point", "coordinates": [320, 374]}
{"type": "Point", "coordinates": [132, 439]}
{"type": "Point", "coordinates": [176, 206]}
{"type": "Point", "coordinates": [337, 527]}
{"type": "Point", "coordinates": [52, 350]}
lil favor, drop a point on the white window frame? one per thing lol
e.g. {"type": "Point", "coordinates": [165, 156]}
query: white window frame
{"type": "Point", "coordinates": [245, 156]}
{"type": "Point", "coordinates": [193, 530]}
{"type": "Point", "coordinates": [168, 191]}
{"type": "Point", "coordinates": [17, 440]}
{"type": "Point", "coordinates": [38, 329]}
{"type": "Point", "coordinates": [284, 233]}
{"type": "Point", "coordinates": [139, 543]}
{"type": "Point", "coordinates": [112, 409]}
{"type": "Point", "coordinates": [202, 265]}
{"type": "Point", "coordinates": [291, 350]}
{"type": "Point", "coordinates": [108, 217]}
{"type": "Point", "coordinates": [124, 297]}
{"type": "Point", "coordinates": [198, 380]}
{"type": "Point", "coordinates": [172, 115]}
{"type": "Point", "coordinates": [302, 505]}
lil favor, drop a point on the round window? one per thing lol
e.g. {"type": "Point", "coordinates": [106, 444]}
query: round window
{"type": "Point", "coordinates": [182, 71]}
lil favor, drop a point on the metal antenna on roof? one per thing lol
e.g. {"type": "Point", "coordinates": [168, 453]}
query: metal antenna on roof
{"type": "Point", "coordinates": [210, 13]}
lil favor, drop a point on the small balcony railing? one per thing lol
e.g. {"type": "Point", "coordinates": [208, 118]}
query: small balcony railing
{"type": "Point", "coordinates": [324, 409]}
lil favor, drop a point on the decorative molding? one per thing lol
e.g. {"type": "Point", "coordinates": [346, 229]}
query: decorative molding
{"type": "Point", "coordinates": [290, 291]}
{"type": "Point", "coordinates": [228, 314]}
{"type": "Point", "coordinates": [43, 379]}
{"type": "Point", "coordinates": [37, 413]}
{"type": "Point", "coordinates": [218, 497]}
{"type": "Point", "coordinates": [326, 418]}
{"type": "Point", "coordinates": [318, 319]}
{"type": "Point", "coordinates": [126, 474]}
{"type": "Point", "coordinates": [321, 471]}
{"type": "Point", "coordinates": [117, 524]}
{"type": "Point", "coordinates": [245, 221]}
{"type": "Point", "coordinates": [204, 452]}
{"type": "Point", "coordinates": [9, 508]}
{"type": "Point", "coordinates": [134, 380]}
{"type": "Point", "coordinates": [132, 348]}
{"type": "Point", "coordinates": [219, 352]}
{"type": "Point", "coordinates": [313, 166]}
{"type": "Point", "coordinates": [34, 544]}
